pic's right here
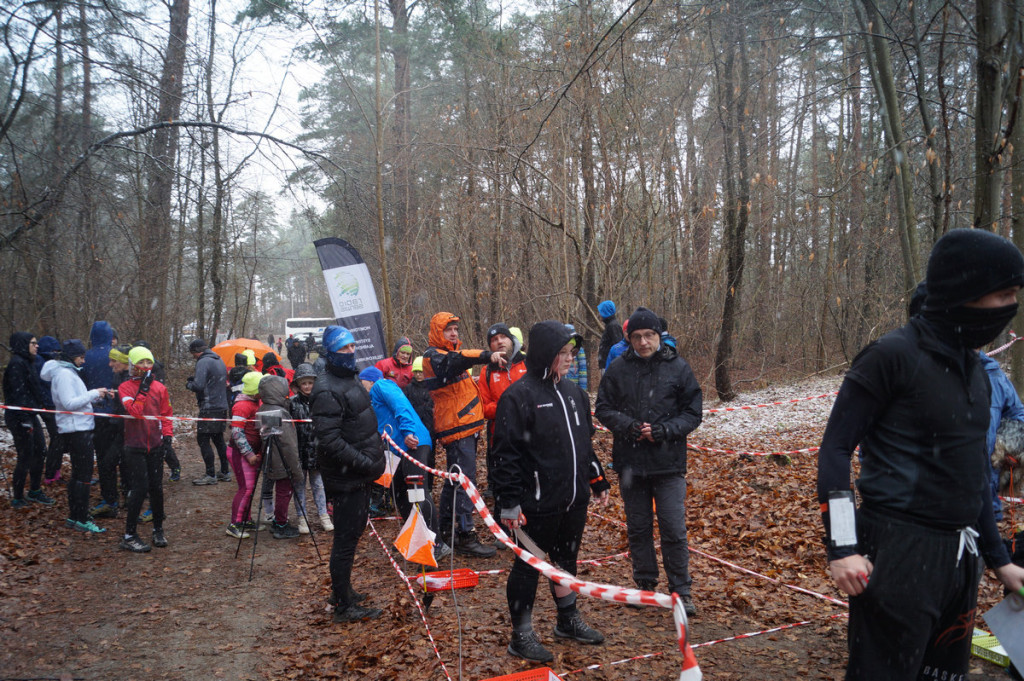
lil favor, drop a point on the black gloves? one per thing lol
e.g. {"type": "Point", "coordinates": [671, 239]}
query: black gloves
{"type": "Point", "coordinates": [190, 383]}
{"type": "Point", "coordinates": [658, 433]}
{"type": "Point", "coordinates": [147, 381]}
{"type": "Point", "coordinates": [167, 441]}
{"type": "Point", "coordinates": [635, 428]}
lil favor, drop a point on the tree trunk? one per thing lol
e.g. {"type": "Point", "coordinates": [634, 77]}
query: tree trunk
{"type": "Point", "coordinates": [991, 28]}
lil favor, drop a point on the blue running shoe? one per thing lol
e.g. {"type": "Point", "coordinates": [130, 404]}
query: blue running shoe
{"type": "Point", "coordinates": [147, 516]}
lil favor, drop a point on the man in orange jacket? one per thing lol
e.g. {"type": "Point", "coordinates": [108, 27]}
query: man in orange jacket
{"type": "Point", "coordinates": [458, 420]}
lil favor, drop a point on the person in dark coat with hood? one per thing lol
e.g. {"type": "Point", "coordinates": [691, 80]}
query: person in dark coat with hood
{"type": "Point", "coordinates": [612, 331]}
{"type": "Point", "coordinates": [917, 402]}
{"type": "Point", "coordinates": [351, 457]}
{"type": "Point", "coordinates": [545, 470]}
{"type": "Point", "coordinates": [96, 373]}
{"type": "Point", "coordinates": [22, 388]}
{"type": "Point", "coordinates": [650, 400]}
{"type": "Point", "coordinates": [210, 384]}
{"type": "Point", "coordinates": [281, 453]}
{"type": "Point", "coordinates": [49, 348]}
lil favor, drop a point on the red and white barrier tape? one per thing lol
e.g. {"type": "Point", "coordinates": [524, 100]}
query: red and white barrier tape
{"type": "Point", "coordinates": [800, 589]}
{"type": "Point", "coordinates": [1012, 500]}
{"type": "Point", "coordinates": [808, 450]}
{"type": "Point", "coordinates": [707, 643]}
{"type": "Point", "coordinates": [412, 592]}
{"type": "Point", "coordinates": [1013, 339]}
{"type": "Point", "coordinates": [129, 417]}
{"type": "Point", "coordinates": [690, 668]}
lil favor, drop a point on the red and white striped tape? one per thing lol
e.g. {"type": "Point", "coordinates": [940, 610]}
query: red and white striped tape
{"type": "Point", "coordinates": [128, 417]}
{"type": "Point", "coordinates": [1013, 339]}
{"type": "Point", "coordinates": [690, 669]}
{"type": "Point", "coordinates": [412, 592]}
{"type": "Point", "coordinates": [808, 450]}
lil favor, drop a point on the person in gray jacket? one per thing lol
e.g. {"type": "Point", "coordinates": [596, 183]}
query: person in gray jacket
{"type": "Point", "coordinates": [210, 386]}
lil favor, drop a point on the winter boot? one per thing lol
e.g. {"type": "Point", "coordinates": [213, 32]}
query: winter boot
{"type": "Point", "coordinates": [572, 626]}
{"type": "Point", "coordinates": [525, 645]}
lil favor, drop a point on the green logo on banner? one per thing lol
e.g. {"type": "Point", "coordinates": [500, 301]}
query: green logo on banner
{"type": "Point", "coordinates": [347, 284]}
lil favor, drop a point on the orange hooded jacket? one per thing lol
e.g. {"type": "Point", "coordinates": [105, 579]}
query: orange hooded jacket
{"type": "Point", "coordinates": [457, 409]}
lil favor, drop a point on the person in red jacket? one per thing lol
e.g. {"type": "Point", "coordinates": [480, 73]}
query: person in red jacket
{"type": "Point", "coordinates": [398, 367]}
{"type": "Point", "coordinates": [144, 442]}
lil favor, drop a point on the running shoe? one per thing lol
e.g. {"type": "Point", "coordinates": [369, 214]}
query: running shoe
{"type": "Point", "coordinates": [39, 496]}
{"type": "Point", "coordinates": [237, 530]}
{"type": "Point", "coordinates": [133, 544]}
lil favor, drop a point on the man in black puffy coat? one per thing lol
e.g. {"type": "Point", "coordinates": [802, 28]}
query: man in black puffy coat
{"type": "Point", "coordinates": [351, 457]}
{"type": "Point", "coordinates": [651, 401]}
{"type": "Point", "coordinates": [544, 471]}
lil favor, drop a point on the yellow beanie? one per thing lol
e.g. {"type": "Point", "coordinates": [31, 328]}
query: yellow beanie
{"type": "Point", "coordinates": [139, 353]}
{"type": "Point", "coordinates": [417, 364]}
{"type": "Point", "coordinates": [251, 383]}
{"type": "Point", "coordinates": [251, 358]}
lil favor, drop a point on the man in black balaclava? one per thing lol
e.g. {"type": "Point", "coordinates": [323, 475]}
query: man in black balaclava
{"type": "Point", "coordinates": [917, 403]}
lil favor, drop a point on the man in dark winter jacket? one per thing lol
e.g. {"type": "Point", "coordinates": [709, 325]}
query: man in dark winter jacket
{"type": "Point", "coordinates": [545, 469]}
{"type": "Point", "coordinates": [22, 388]}
{"type": "Point", "coordinates": [210, 386]}
{"type": "Point", "coordinates": [296, 351]}
{"type": "Point", "coordinates": [650, 400]}
{"type": "Point", "coordinates": [351, 457]}
{"type": "Point", "coordinates": [917, 401]}
{"type": "Point", "coordinates": [96, 373]}
{"type": "Point", "coordinates": [612, 332]}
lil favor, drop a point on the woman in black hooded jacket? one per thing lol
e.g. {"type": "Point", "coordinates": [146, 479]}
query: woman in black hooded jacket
{"type": "Point", "coordinates": [23, 389]}
{"type": "Point", "coordinates": [545, 470]}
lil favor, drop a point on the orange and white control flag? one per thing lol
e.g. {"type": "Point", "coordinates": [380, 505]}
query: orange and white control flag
{"type": "Point", "coordinates": [416, 540]}
{"type": "Point", "coordinates": [391, 463]}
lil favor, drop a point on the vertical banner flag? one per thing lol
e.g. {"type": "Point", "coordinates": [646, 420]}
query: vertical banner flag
{"type": "Point", "coordinates": [352, 295]}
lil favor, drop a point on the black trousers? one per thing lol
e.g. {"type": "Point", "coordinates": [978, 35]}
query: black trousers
{"type": "Point", "coordinates": [351, 509]}
{"type": "Point", "coordinates": [30, 447]}
{"type": "Point", "coordinates": [55, 449]}
{"type": "Point", "coordinates": [146, 478]}
{"type": "Point", "coordinates": [559, 534]}
{"type": "Point", "coordinates": [110, 459]}
{"type": "Point", "coordinates": [916, 616]}
{"type": "Point", "coordinates": [207, 441]}
{"type": "Point", "coordinates": [82, 455]}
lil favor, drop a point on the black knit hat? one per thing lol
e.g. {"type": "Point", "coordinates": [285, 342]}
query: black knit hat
{"type": "Point", "coordinates": [966, 264]}
{"type": "Point", "coordinates": [197, 345]}
{"type": "Point", "coordinates": [642, 318]}
{"type": "Point", "coordinates": [496, 329]}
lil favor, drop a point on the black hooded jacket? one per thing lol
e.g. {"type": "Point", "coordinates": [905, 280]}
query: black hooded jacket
{"type": "Point", "coordinates": [544, 457]}
{"type": "Point", "coordinates": [22, 387]}
{"type": "Point", "coordinates": [349, 449]}
{"type": "Point", "coordinates": [660, 390]}
{"type": "Point", "coordinates": [612, 335]}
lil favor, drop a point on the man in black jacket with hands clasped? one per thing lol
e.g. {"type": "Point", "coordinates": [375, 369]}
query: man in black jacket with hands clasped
{"type": "Point", "coordinates": [651, 401]}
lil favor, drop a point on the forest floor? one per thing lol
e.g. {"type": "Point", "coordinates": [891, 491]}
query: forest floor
{"type": "Point", "coordinates": [76, 607]}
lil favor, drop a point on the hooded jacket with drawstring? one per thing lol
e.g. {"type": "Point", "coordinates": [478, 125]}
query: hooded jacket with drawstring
{"type": "Point", "coordinates": [544, 457]}
{"type": "Point", "coordinates": [96, 372]}
{"type": "Point", "coordinates": [457, 409]}
{"type": "Point", "coordinates": [274, 395]}
{"type": "Point", "coordinates": [395, 370]}
{"type": "Point", "coordinates": [22, 386]}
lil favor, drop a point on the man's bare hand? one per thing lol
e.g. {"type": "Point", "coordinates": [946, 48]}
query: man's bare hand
{"type": "Point", "coordinates": [851, 574]}
{"type": "Point", "coordinates": [411, 441]}
{"type": "Point", "coordinates": [602, 498]}
{"type": "Point", "coordinates": [498, 358]}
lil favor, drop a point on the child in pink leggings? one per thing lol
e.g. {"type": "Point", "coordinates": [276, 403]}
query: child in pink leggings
{"type": "Point", "coordinates": [244, 453]}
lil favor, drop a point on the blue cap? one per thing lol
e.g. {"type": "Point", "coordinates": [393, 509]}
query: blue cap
{"type": "Point", "coordinates": [606, 309]}
{"type": "Point", "coordinates": [371, 373]}
{"type": "Point", "coordinates": [337, 337]}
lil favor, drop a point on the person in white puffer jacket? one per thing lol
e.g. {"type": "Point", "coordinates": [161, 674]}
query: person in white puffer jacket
{"type": "Point", "coordinates": [69, 394]}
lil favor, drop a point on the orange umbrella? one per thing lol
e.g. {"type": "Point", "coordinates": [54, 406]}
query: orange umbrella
{"type": "Point", "coordinates": [229, 348]}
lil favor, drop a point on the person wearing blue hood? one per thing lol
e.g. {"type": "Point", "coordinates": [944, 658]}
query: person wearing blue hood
{"type": "Point", "coordinates": [49, 348]}
{"type": "Point", "coordinates": [22, 389]}
{"type": "Point", "coordinates": [351, 457]}
{"type": "Point", "coordinates": [612, 331]}
{"type": "Point", "coordinates": [70, 394]}
{"type": "Point", "coordinates": [96, 373]}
